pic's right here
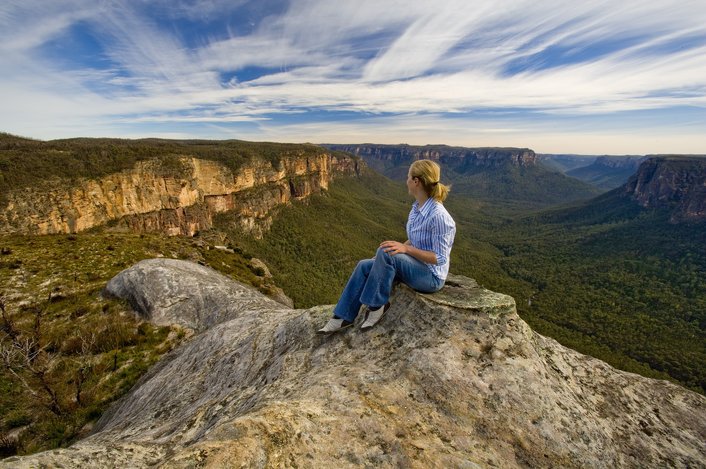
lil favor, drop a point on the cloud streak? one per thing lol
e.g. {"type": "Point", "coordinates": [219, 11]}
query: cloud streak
{"type": "Point", "coordinates": [269, 70]}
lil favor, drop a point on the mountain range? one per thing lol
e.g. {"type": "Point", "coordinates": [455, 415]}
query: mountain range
{"type": "Point", "coordinates": [602, 172]}
{"type": "Point", "coordinates": [511, 177]}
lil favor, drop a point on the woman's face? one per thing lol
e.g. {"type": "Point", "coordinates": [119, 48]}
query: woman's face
{"type": "Point", "coordinates": [412, 184]}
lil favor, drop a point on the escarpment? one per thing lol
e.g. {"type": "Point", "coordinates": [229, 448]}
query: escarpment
{"type": "Point", "coordinates": [450, 379]}
{"type": "Point", "coordinates": [146, 199]}
{"type": "Point", "coordinates": [456, 158]}
{"type": "Point", "coordinates": [674, 183]}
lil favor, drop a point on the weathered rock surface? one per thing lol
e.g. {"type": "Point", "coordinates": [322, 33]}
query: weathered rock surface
{"type": "Point", "coordinates": [169, 291]}
{"type": "Point", "coordinates": [144, 199]}
{"type": "Point", "coordinates": [677, 183]}
{"type": "Point", "coordinates": [452, 379]}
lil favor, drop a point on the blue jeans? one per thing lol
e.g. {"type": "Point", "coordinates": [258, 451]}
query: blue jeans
{"type": "Point", "coordinates": [371, 282]}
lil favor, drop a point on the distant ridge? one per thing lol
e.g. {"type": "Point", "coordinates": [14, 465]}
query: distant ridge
{"type": "Point", "coordinates": [673, 182]}
{"type": "Point", "coordinates": [608, 172]}
{"type": "Point", "coordinates": [674, 186]}
{"type": "Point", "coordinates": [456, 157]}
{"type": "Point", "coordinates": [508, 177]}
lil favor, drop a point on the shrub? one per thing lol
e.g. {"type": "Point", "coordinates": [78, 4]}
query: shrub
{"type": "Point", "coordinates": [8, 446]}
{"type": "Point", "coordinates": [116, 334]}
{"type": "Point", "coordinates": [17, 419]}
{"type": "Point", "coordinates": [72, 346]}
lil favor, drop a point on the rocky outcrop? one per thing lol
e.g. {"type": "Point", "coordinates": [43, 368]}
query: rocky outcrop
{"type": "Point", "coordinates": [451, 379]}
{"type": "Point", "coordinates": [457, 158]}
{"type": "Point", "coordinates": [146, 199]}
{"type": "Point", "coordinates": [169, 291]}
{"type": "Point", "coordinates": [675, 183]}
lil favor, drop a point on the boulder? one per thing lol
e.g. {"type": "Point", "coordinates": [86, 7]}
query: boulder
{"type": "Point", "coordinates": [170, 291]}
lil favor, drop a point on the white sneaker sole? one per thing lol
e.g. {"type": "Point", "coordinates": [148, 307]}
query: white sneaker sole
{"type": "Point", "coordinates": [367, 324]}
{"type": "Point", "coordinates": [324, 331]}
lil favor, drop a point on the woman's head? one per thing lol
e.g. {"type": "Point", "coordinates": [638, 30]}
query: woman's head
{"type": "Point", "coordinates": [428, 174]}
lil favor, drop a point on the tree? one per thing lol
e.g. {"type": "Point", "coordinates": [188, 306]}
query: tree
{"type": "Point", "coordinates": [25, 357]}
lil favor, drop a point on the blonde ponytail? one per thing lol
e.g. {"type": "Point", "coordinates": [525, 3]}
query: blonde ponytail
{"type": "Point", "coordinates": [439, 192]}
{"type": "Point", "coordinates": [430, 174]}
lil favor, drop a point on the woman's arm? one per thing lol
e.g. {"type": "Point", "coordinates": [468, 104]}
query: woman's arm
{"type": "Point", "coordinates": [395, 247]}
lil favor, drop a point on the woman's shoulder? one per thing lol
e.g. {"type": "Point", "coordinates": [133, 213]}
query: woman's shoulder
{"type": "Point", "coordinates": [439, 211]}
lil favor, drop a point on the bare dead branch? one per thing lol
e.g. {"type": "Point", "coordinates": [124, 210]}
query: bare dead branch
{"type": "Point", "coordinates": [11, 362]}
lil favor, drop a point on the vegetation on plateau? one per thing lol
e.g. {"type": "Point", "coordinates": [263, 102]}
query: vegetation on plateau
{"type": "Point", "coordinates": [28, 163]}
{"type": "Point", "coordinates": [66, 352]}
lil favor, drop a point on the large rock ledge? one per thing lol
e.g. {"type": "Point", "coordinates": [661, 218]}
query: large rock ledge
{"type": "Point", "coordinates": [453, 379]}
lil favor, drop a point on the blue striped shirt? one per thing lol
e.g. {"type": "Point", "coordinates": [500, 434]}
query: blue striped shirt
{"type": "Point", "coordinates": [431, 228]}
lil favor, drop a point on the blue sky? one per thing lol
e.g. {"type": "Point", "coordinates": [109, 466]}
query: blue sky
{"type": "Point", "coordinates": [588, 77]}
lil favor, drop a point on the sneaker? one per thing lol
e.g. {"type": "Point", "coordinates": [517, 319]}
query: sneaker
{"type": "Point", "coordinates": [334, 325]}
{"type": "Point", "coordinates": [374, 316]}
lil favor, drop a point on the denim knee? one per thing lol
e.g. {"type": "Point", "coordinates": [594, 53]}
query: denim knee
{"type": "Point", "coordinates": [380, 253]}
{"type": "Point", "coordinates": [364, 265]}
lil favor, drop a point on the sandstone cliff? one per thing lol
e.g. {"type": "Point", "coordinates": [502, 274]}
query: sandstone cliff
{"type": "Point", "coordinates": [675, 183]}
{"type": "Point", "coordinates": [451, 379]}
{"type": "Point", "coordinates": [456, 158]}
{"type": "Point", "coordinates": [144, 198]}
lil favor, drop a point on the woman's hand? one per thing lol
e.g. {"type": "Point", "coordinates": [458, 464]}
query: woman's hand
{"type": "Point", "coordinates": [394, 247]}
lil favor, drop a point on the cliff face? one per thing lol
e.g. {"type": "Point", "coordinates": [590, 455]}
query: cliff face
{"type": "Point", "coordinates": [450, 379]}
{"type": "Point", "coordinates": [145, 199]}
{"type": "Point", "coordinates": [454, 157]}
{"type": "Point", "coordinates": [675, 183]}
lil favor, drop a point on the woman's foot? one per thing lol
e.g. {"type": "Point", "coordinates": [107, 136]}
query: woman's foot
{"type": "Point", "coordinates": [374, 316]}
{"type": "Point", "coordinates": [334, 325]}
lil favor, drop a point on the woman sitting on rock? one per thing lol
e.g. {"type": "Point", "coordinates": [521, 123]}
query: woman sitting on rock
{"type": "Point", "coordinates": [421, 262]}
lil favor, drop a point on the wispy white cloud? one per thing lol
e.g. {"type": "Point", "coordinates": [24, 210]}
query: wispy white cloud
{"type": "Point", "coordinates": [191, 119]}
{"type": "Point", "coordinates": [429, 37]}
{"type": "Point", "coordinates": [31, 23]}
{"type": "Point", "coordinates": [391, 58]}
